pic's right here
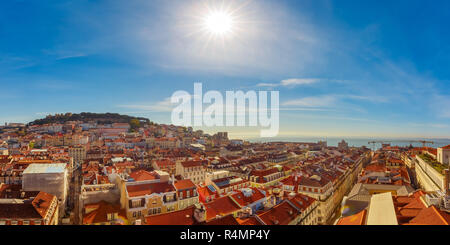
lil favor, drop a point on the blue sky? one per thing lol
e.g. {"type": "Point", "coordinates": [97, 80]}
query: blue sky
{"type": "Point", "coordinates": [343, 68]}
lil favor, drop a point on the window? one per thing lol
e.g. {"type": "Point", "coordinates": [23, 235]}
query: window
{"type": "Point", "coordinates": [14, 222]}
{"type": "Point", "coordinates": [37, 222]}
{"type": "Point", "coordinates": [137, 203]}
{"type": "Point", "coordinates": [26, 222]}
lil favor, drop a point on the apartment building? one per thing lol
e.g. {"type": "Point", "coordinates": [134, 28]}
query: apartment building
{"type": "Point", "coordinates": [51, 178]}
{"type": "Point", "coordinates": [192, 169]}
{"type": "Point", "coordinates": [443, 155]}
{"type": "Point", "coordinates": [187, 193]}
{"type": "Point", "coordinates": [41, 209]}
{"type": "Point", "coordinates": [78, 153]}
{"type": "Point", "coordinates": [147, 193]}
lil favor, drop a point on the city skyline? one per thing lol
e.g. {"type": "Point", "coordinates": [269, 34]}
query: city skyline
{"type": "Point", "coordinates": [353, 69]}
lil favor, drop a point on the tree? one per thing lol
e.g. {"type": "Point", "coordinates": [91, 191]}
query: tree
{"type": "Point", "coordinates": [135, 124]}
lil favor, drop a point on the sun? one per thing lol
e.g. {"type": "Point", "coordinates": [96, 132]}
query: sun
{"type": "Point", "coordinates": [219, 23]}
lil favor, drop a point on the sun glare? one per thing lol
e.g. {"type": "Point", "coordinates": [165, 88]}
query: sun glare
{"type": "Point", "coordinates": [219, 23]}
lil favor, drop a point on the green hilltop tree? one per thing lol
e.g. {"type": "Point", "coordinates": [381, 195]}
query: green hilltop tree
{"type": "Point", "coordinates": [135, 124]}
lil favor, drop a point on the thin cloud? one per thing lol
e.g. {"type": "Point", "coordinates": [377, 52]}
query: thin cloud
{"type": "Point", "coordinates": [298, 81]}
{"type": "Point", "coordinates": [267, 85]}
{"type": "Point", "coordinates": [161, 106]}
{"type": "Point", "coordinates": [318, 101]}
{"type": "Point", "coordinates": [292, 82]}
{"type": "Point", "coordinates": [71, 56]}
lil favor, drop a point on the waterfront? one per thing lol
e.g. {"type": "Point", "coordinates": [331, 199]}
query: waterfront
{"type": "Point", "coordinates": [358, 142]}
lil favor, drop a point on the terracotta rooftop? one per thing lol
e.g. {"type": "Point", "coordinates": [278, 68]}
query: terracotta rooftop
{"type": "Point", "coordinates": [282, 214]}
{"type": "Point", "coordinates": [227, 220]}
{"type": "Point", "coordinates": [143, 175]}
{"type": "Point", "coordinates": [194, 163]}
{"type": "Point", "coordinates": [220, 207]}
{"type": "Point", "coordinates": [35, 209]}
{"type": "Point", "coordinates": [181, 217]}
{"type": "Point", "coordinates": [356, 219]}
{"type": "Point", "coordinates": [184, 184]}
{"type": "Point", "coordinates": [431, 216]}
{"type": "Point", "coordinates": [148, 189]}
{"type": "Point", "coordinates": [244, 200]}
{"type": "Point", "coordinates": [98, 212]}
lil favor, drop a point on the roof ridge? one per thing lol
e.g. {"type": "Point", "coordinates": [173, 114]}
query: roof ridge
{"type": "Point", "coordinates": [439, 214]}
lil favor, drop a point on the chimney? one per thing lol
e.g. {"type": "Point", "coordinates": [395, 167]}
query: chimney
{"type": "Point", "coordinates": [446, 180]}
{"type": "Point", "coordinates": [200, 213]}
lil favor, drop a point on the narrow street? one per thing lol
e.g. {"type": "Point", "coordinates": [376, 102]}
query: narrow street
{"type": "Point", "coordinates": [76, 195]}
{"type": "Point", "coordinates": [412, 175]}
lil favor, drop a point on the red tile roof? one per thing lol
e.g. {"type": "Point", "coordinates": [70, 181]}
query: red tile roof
{"type": "Point", "coordinates": [243, 200]}
{"type": "Point", "coordinates": [164, 163]}
{"type": "Point", "coordinates": [301, 201]}
{"type": "Point", "coordinates": [98, 212]}
{"type": "Point", "coordinates": [431, 150]}
{"type": "Point", "coordinates": [37, 209]}
{"type": "Point", "coordinates": [148, 189]}
{"type": "Point", "coordinates": [194, 163]}
{"type": "Point", "coordinates": [181, 217]}
{"type": "Point", "coordinates": [249, 221]}
{"type": "Point", "coordinates": [143, 175]}
{"type": "Point", "coordinates": [42, 202]}
{"type": "Point", "coordinates": [282, 214]}
{"type": "Point", "coordinates": [356, 219]}
{"type": "Point", "coordinates": [184, 184]}
{"type": "Point", "coordinates": [431, 216]}
{"type": "Point", "coordinates": [412, 211]}
{"type": "Point", "coordinates": [227, 220]}
{"type": "Point", "coordinates": [220, 207]}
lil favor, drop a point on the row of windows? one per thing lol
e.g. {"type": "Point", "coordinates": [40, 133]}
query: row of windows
{"type": "Point", "coordinates": [316, 190]}
{"type": "Point", "coordinates": [154, 211]}
{"type": "Point", "coordinates": [200, 174]}
{"type": "Point", "coordinates": [188, 194]}
{"type": "Point", "coordinates": [23, 222]}
{"type": "Point", "coordinates": [235, 187]}
{"type": "Point", "coordinates": [193, 169]}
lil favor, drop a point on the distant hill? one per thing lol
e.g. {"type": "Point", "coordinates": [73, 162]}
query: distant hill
{"type": "Point", "coordinates": [103, 118]}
